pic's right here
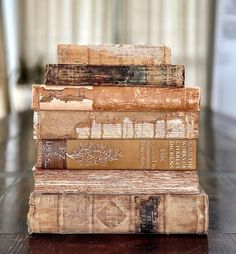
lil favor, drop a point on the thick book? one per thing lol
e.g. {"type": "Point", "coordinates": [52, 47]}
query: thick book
{"type": "Point", "coordinates": [144, 154]}
{"type": "Point", "coordinates": [52, 124]}
{"type": "Point", "coordinates": [117, 213]}
{"type": "Point", "coordinates": [115, 181]}
{"type": "Point", "coordinates": [164, 75]}
{"type": "Point", "coordinates": [113, 54]}
{"type": "Point", "coordinates": [113, 98]}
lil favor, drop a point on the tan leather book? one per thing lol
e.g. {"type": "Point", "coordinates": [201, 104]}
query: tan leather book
{"type": "Point", "coordinates": [112, 98]}
{"type": "Point", "coordinates": [129, 213]}
{"type": "Point", "coordinates": [115, 181]}
{"type": "Point", "coordinates": [164, 75]}
{"type": "Point", "coordinates": [143, 154]}
{"type": "Point", "coordinates": [51, 124]}
{"type": "Point", "coordinates": [113, 54]}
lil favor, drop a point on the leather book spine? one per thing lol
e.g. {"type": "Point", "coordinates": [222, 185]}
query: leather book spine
{"type": "Point", "coordinates": [106, 75]}
{"type": "Point", "coordinates": [97, 213]}
{"type": "Point", "coordinates": [115, 125]}
{"type": "Point", "coordinates": [110, 54]}
{"type": "Point", "coordinates": [144, 154]}
{"type": "Point", "coordinates": [116, 181]}
{"type": "Point", "coordinates": [113, 98]}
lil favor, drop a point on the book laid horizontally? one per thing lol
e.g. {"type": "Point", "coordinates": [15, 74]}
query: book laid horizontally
{"type": "Point", "coordinates": [115, 181]}
{"type": "Point", "coordinates": [113, 54]}
{"type": "Point", "coordinates": [164, 75]}
{"type": "Point", "coordinates": [128, 213]}
{"type": "Point", "coordinates": [52, 124]}
{"type": "Point", "coordinates": [142, 154]}
{"type": "Point", "coordinates": [126, 98]}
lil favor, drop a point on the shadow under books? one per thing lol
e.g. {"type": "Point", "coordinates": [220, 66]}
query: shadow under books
{"type": "Point", "coordinates": [117, 243]}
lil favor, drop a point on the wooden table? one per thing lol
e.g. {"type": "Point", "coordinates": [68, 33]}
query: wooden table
{"type": "Point", "coordinates": [217, 169]}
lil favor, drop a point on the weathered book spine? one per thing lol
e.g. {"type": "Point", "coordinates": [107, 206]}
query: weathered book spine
{"type": "Point", "coordinates": [97, 213]}
{"type": "Point", "coordinates": [115, 125]}
{"type": "Point", "coordinates": [112, 98]}
{"type": "Point", "coordinates": [127, 75]}
{"type": "Point", "coordinates": [144, 154]}
{"type": "Point", "coordinates": [116, 181]}
{"type": "Point", "coordinates": [110, 54]}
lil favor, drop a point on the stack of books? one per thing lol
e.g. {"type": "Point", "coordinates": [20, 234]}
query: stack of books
{"type": "Point", "coordinates": [116, 139]}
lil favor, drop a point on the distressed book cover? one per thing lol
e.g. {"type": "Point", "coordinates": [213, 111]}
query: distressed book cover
{"type": "Point", "coordinates": [113, 54]}
{"type": "Point", "coordinates": [115, 125]}
{"type": "Point", "coordinates": [113, 98]}
{"type": "Point", "coordinates": [102, 181]}
{"type": "Point", "coordinates": [105, 75]}
{"type": "Point", "coordinates": [133, 213]}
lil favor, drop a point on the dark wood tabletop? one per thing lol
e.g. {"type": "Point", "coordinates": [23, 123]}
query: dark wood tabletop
{"type": "Point", "coordinates": [217, 170]}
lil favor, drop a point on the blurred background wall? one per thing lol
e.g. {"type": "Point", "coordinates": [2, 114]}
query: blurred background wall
{"type": "Point", "coordinates": [31, 29]}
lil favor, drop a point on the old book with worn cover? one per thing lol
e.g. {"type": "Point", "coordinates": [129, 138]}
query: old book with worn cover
{"type": "Point", "coordinates": [113, 98]}
{"type": "Point", "coordinates": [115, 181]}
{"type": "Point", "coordinates": [113, 54]}
{"type": "Point", "coordinates": [143, 154]}
{"type": "Point", "coordinates": [164, 75]}
{"type": "Point", "coordinates": [52, 124]}
{"type": "Point", "coordinates": [129, 213]}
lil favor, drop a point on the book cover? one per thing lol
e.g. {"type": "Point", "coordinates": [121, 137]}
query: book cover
{"type": "Point", "coordinates": [143, 154]}
{"type": "Point", "coordinates": [115, 181]}
{"type": "Point", "coordinates": [113, 54]}
{"type": "Point", "coordinates": [129, 213]}
{"type": "Point", "coordinates": [50, 124]}
{"type": "Point", "coordinates": [105, 75]}
{"type": "Point", "coordinates": [112, 98]}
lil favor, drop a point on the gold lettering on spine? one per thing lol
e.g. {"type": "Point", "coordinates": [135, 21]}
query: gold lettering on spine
{"type": "Point", "coordinates": [153, 156]}
{"type": "Point", "coordinates": [142, 153]}
{"type": "Point", "coordinates": [40, 154]}
{"type": "Point", "coordinates": [190, 154]}
{"type": "Point", "coordinates": [184, 154]}
{"type": "Point", "coordinates": [171, 155]}
{"type": "Point", "coordinates": [177, 155]}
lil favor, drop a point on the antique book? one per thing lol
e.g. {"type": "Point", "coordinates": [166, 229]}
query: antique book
{"type": "Point", "coordinates": [143, 154]}
{"type": "Point", "coordinates": [113, 98]}
{"type": "Point", "coordinates": [129, 213]}
{"type": "Point", "coordinates": [164, 75]}
{"type": "Point", "coordinates": [115, 181]}
{"type": "Point", "coordinates": [52, 124]}
{"type": "Point", "coordinates": [113, 54]}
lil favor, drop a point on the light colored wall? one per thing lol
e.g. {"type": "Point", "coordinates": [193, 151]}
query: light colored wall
{"type": "Point", "coordinates": [224, 75]}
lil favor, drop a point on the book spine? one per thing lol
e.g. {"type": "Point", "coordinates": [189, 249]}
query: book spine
{"type": "Point", "coordinates": [116, 181]}
{"type": "Point", "coordinates": [112, 98]}
{"type": "Point", "coordinates": [168, 214]}
{"type": "Point", "coordinates": [126, 75]}
{"type": "Point", "coordinates": [113, 54]}
{"type": "Point", "coordinates": [115, 125]}
{"type": "Point", "coordinates": [144, 154]}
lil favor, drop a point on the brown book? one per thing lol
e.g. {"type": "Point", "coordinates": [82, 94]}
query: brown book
{"type": "Point", "coordinates": [144, 154]}
{"type": "Point", "coordinates": [128, 213]}
{"type": "Point", "coordinates": [115, 181]}
{"type": "Point", "coordinates": [115, 125]}
{"type": "Point", "coordinates": [113, 54]}
{"type": "Point", "coordinates": [113, 98]}
{"type": "Point", "coordinates": [126, 75]}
